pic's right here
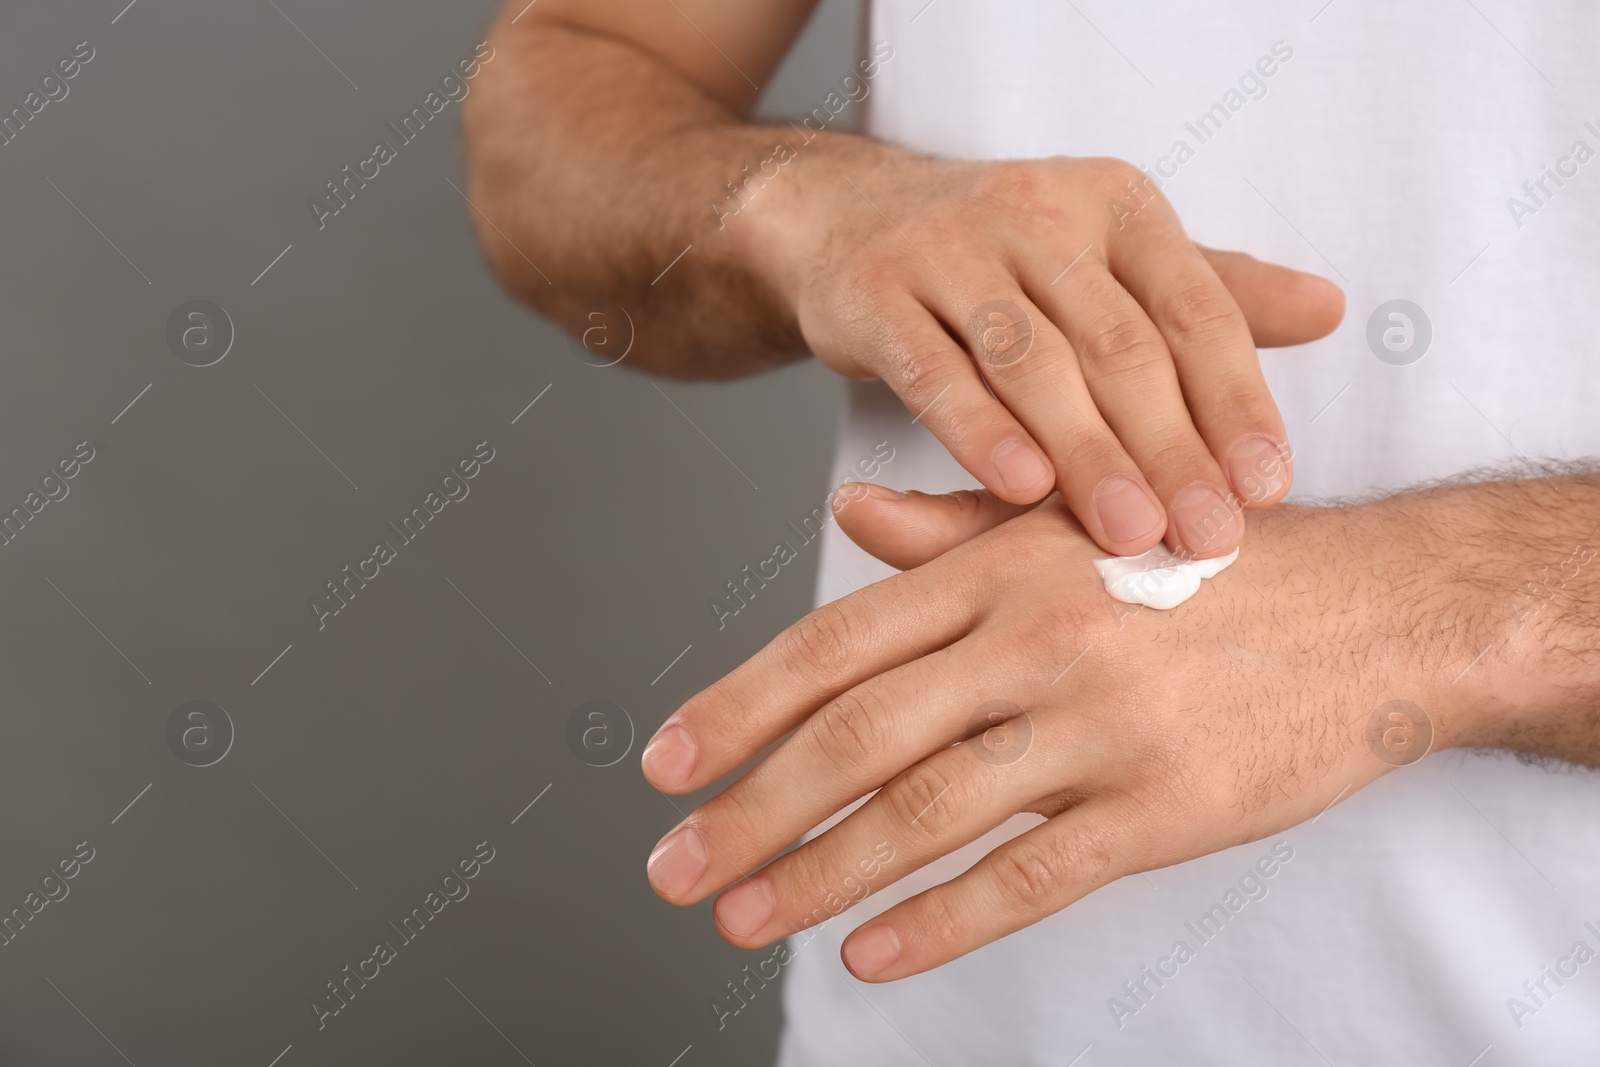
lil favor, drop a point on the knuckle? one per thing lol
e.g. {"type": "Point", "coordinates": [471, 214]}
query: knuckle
{"type": "Point", "coordinates": [1014, 182]}
{"type": "Point", "coordinates": [931, 387]}
{"type": "Point", "coordinates": [921, 372]}
{"type": "Point", "coordinates": [805, 881]}
{"type": "Point", "coordinates": [1122, 342]}
{"type": "Point", "coordinates": [923, 800]}
{"type": "Point", "coordinates": [719, 711]}
{"type": "Point", "coordinates": [1017, 352]}
{"type": "Point", "coordinates": [733, 825]}
{"type": "Point", "coordinates": [938, 926]}
{"type": "Point", "coordinates": [1180, 460]}
{"type": "Point", "coordinates": [849, 729]}
{"type": "Point", "coordinates": [1024, 878]}
{"type": "Point", "coordinates": [968, 505]}
{"type": "Point", "coordinates": [1034, 875]}
{"type": "Point", "coordinates": [1088, 455]}
{"type": "Point", "coordinates": [874, 279]}
{"type": "Point", "coordinates": [1114, 176]}
{"type": "Point", "coordinates": [1113, 169]}
{"type": "Point", "coordinates": [856, 303]}
{"type": "Point", "coordinates": [821, 641]}
{"type": "Point", "coordinates": [1243, 399]}
{"type": "Point", "coordinates": [1200, 313]}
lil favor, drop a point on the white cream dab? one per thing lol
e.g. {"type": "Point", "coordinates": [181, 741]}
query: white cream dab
{"type": "Point", "coordinates": [1157, 578]}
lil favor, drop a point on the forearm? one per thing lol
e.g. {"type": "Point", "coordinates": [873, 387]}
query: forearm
{"type": "Point", "coordinates": [1502, 583]}
{"type": "Point", "coordinates": [595, 164]}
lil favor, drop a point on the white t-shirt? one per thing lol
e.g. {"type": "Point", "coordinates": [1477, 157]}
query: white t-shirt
{"type": "Point", "coordinates": [1387, 149]}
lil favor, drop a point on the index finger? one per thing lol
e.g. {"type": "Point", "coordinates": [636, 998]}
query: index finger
{"type": "Point", "coordinates": [1214, 356]}
{"type": "Point", "coordinates": [831, 650]}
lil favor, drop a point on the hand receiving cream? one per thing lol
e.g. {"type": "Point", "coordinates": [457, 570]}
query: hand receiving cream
{"type": "Point", "coordinates": [1157, 578]}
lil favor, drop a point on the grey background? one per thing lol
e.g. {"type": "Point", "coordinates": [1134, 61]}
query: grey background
{"type": "Point", "coordinates": [379, 751]}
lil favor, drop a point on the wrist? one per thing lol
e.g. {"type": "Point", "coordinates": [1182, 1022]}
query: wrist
{"type": "Point", "coordinates": [1400, 597]}
{"type": "Point", "coordinates": [790, 217]}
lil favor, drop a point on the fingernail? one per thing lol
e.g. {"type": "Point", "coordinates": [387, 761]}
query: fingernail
{"type": "Point", "coordinates": [1020, 468]}
{"type": "Point", "coordinates": [668, 759]}
{"type": "Point", "coordinates": [1259, 467]}
{"type": "Point", "coordinates": [745, 908]}
{"type": "Point", "coordinates": [1205, 522]}
{"type": "Point", "coordinates": [1126, 511]}
{"type": "Point", "coordinates": [881, 492]}
{"type": "Point", "coordinates": [871, 951]}
{"type": "Point", "coordinates": [678, 862]}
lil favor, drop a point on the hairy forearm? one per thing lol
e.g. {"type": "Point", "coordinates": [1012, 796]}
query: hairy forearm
{"type": "Point", "coordinates": [595, 164]}
{"type": "Point", "coordinates": [1500, 583]}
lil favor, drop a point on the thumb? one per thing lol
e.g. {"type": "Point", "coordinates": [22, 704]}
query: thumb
{"type": "Point", "coordinates": [1283, 306]}
{"type": "Point", "coordinates": [906, 530]}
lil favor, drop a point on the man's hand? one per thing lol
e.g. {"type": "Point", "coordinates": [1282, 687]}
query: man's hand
{"type": "Point", "coordinates": [1053, 325]}
{"type": "Point", "coordinates": [999, 678]}
{"type": "Point", "coordinates": [1048, 320]}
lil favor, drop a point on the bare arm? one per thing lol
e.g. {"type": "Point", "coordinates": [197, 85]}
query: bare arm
{"type": "Point", "coordinates": [1345, 643]}
{"type": "Point", "coordinates": [1048, 320]}
{"type": "Point", "coordinates": [1489, 588]}
{"type": "Point", "coordinates": [598, 146]}
{"type": "Point", "coordinates": [1531, 549]}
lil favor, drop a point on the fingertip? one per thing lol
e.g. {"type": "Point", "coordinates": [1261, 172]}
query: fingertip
{"type": "Point", "coordinates": [870, 952]}
{"type": "Point", "coordinates": [1204, 523]}
{"type": "Point", "coordinates": [668, 761]}
{"type": "Point", "coordinates": [865, 510]}
{"type": "Point", "coordinates": [1263, 501]}
{"type": "Point", "coordinates": [1130, 548]}
{"type": "Point", "coordinates": [744, 911]}
{"type": "Point", "coordinates": [859, 492]}
{"type": "Point", "coordinates": [1126, 515]}
{"type": "Point", "coordinates": [1261, 468]}
{"type": "Point", "coordinates": [1333, 289]}
{"type": "Point", "coordinates": [1021, 474]}
{"type": "Point", "coordinates": [903, 533]}
{"type": "Point", "coordinates": [1282, 305]}
{"type": "Point", "coordinates": [1325, 301]}
{"type": "Point", "coordinates": [677, 864]}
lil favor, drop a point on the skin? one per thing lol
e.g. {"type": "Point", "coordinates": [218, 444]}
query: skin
{"type": "Point", "coordinates": [1048, 320]}
{"type": "Point", "coordinates": [1144, 738]}
{"type": "Point", "coordinates": [601, 143]}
